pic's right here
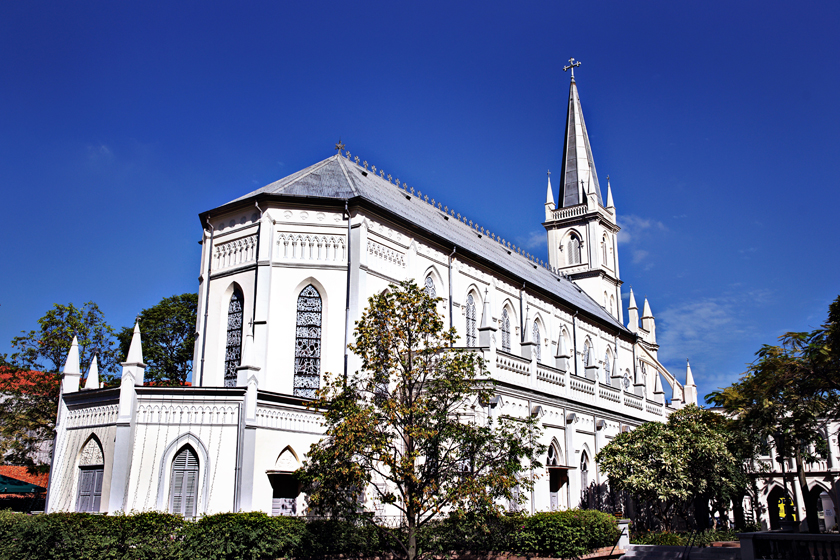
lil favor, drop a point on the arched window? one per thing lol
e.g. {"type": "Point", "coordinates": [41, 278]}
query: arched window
{"type": "Point", "coordinates": [308, 343]}
{"type": "Point", "coordinates": [430, 287]}
{"type": "Point", "coordinates": [626, 380]}
{"type": "Point", "coordinates": [607, 368]}
{"type": "Point", "coordinates": [604, 249]}
{"type": "Point", "coordinates": [584, 472]}
{"type": "Point", "coordinates": [184, 483]}
{"type": "Point", "coordinates": [505, 330]}
{"type": "Point", "coordinates": [537, 341]}
{"type": "Point", "coordinates": [551, 461]}
{"type": "Point", "coordinates": [91, 471]}
{"type": "Point", "coordinates": [233, 352]}
{"type": "Point", "coordinates": [612, 305]}
{"type": "Point", "coordinates": [573, 249]}
{"type": "Point", "coordinates": [587, 353]}
{"type": "Point", "coordinates": [471, 337]}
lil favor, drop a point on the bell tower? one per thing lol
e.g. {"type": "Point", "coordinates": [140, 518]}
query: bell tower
{"type": "Point", "coordinates": [582, 231]}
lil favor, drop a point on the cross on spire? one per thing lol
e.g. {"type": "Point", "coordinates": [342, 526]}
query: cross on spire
{"type": "Point", "coordinates": [339, 146]}
{"type": "Point", "coordinates": [572, 65]}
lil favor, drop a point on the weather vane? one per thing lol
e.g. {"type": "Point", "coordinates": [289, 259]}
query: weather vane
{"type": "Point", "coordinates": [572, 65]}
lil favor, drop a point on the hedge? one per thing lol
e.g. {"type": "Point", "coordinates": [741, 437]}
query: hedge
{"type": "Point", "coordinates": [256, 536]}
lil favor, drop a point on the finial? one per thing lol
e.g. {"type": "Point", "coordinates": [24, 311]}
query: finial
{"type": "Point", "coordinates": [347, 154]}
{"type": "Point", "coordinates": [356, 159]}
{"type": "Point", "coordinates": [389, 177]}
{"type": "Point", "coordinates": [549, 173]}
{"type": "Point", "coordinates": [572, 65]}
{"type": "Point", "coordinates": [373, 168]}
{"type": "Point", "coordinates": [365, 164]}
{"type": "Point", "coordinates": [339, 146]}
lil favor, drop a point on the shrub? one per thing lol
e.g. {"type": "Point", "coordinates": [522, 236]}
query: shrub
{"type": "Point", "coordinates": [330, 537]}
{"type": "Point", "coordinates": [565, 534]}
{"type": "Point", "coordinates": [147, 536]}
{"type": "Point", "coordinates": [474, 532]}
{"type": "Point", "coordinates": [664, 538]}
{"type": "Point", "coordinates": [246, 536]}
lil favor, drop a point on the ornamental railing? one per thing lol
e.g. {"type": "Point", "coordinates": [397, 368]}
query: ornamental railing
{"type": "Point", "coordinates": [609, 393]}
{"type": "Point", "coordinates": [513, 364]}
{"type": "Point", "coordinates": [551, 375]}
{"type": "Point", "coordinates": [570, 212]}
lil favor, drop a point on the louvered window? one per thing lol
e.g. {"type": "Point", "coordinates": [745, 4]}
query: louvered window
{"type": "Point", "coordinates": [471, 337]}
{"type": "Point", "coordinates": [91, 470]}
{"type": "Point", "coordinates": [308, 343]}
{"type": "Point", "coordinates": [505, 331]}
{"type": "Point", "coordinates": [538, 344]}
{"type": "Point", "coordinates": [233, 352]}
{"type": "Point", "coordinates": [430, 287]}
{"type": "Point", "coordinates": [184, 483]}
{"type": "Point", "coordinates": [573, 250]}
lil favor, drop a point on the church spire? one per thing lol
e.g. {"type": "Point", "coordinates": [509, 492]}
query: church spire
{"type": "Point", "coordinates": [578, 165]}
{"type": "Point", "coordinates": [549, 196]}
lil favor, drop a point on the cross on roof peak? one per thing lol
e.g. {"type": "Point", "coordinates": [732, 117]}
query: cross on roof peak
{"type": "Point", "coordinates": [572, 65]}
{"type": "Point", "coordinates": [339, 146]}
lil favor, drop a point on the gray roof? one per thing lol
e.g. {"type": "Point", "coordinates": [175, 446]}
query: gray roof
{"type": "Point", "coordinates": [340, 178]}
{"type": "Point", "coordinates": [578, 164]}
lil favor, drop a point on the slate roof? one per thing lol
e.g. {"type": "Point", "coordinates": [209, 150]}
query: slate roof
{"type": "Point", "coordinates": [339, 178]}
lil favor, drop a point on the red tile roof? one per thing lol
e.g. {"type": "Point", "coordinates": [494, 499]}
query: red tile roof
{"type": "Point", "coordinates": [22, 473]}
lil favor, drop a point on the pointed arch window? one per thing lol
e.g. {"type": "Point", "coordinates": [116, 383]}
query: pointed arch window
{"type": "Point", "coordinates": [537, 338]}
{"type": "Point", "coordinates": [308, 343]}
{"type": "Point", "coordinates": [505, 330]}
{"type": "Point", "coordinates": [584, 472]}
{"type": "Point", "coordinates": [573, 250]}
{"type": "Point", "coordinates": [607, 368]}
{"type": "Point", "coordinates": [587, 351]}
{"type": "Point", "coordinates": [91, 471]}
{"type": "Point", "coordinates": [430, 287]}
{"type": "Point", "coordinates": [184, 483]}
{"type": "Point", "coordinates": [233, 351]}
{"type": "Point", "coordinates": [604, 250]}
{"type": "Point", "coordinates": [472, 339]}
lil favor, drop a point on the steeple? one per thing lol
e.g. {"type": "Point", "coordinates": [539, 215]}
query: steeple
{"type": "Point", "coordinates": [72, 373]}
{"type": "Point", "coordinates": [690, 389]}
{"type": "Point", "coordinates": [610, 204]}
{"type": "Point", "coordinates": [93, 375]}
{"type": "Point", "coordinates": [649, 323]}
{"type": "Point", "coordinates": [578, 165]}
{"type": "Point", "coordinates": [549, 196]}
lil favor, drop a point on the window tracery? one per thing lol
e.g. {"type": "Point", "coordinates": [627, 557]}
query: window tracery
{"type": "Point", "coordinates": [538, 347]}
{"type": "Point", "coordinates": [233, 349]}
{"type": "Point", "coordinates": [505, 330]}
{"type": "Point", "coordinates": [308, 343]}
{"type": "Point", "coordinates": [573, 247]}
{"type": "Point", "coordinates": [430, 287]}
{"type": "Point", "coordinates": [607, 368]}
{"type": "Point", "coordinates": [471, 336]}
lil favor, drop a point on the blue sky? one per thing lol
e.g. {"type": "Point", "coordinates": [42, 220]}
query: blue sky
{"type": "Point", "coordinates": [716, 121]}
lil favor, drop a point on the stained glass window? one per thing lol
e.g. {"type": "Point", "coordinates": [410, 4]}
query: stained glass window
{"type": "Point", "coordinates": [505, 330]}
{"type": "Point", "coordinates": [308, 343]}
{"type": "Point", "coordinates": [471, 338]}
{"type": "Point", "coordinates": [233, 352]}
{"type": "Point", "coordinates": [430, 287]}
{"type": "Point", "coordinates": [538, 347]}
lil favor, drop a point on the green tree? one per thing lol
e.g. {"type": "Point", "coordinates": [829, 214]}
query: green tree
{"type": "Point", "coordinates": [28, 409]}
{"type": "Point", "coordinates": [46, 348]}
{"type": "Point", "coordinates": [669, 466]}
{"type": "Point", "coordinates": [785, 397]}
{"type": "Point", "coordinates": [405, 427]}
{"type": "Point", "coordinates": [168, 331]}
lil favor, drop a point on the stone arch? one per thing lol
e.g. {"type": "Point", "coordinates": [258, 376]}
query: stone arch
{"type": "Point", "coordinates": [472, 314]}
{"type": "Point", "coordinates": [204, 468]}
{"type": "Point", "coordinates": [287, 460]}
{"type": "Point", "coordinates": [573, 251]}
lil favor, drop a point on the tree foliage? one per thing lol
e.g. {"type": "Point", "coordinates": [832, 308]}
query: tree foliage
{"type": "Point", "coordinates": [788, 393]}
{"type": "Point", "coordinates": [667, 466]}
{"type": "Point", "coordinates": [168, 339]}
{"type": "Point", "coordinates": [409, 427]}
{"type": "Point", "coordinates": [28, 409]}
{"type": "Point", "coordinates": [46, 348]}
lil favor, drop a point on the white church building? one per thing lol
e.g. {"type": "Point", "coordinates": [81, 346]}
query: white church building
{"type": "Point", "coordinates": [285, 272]}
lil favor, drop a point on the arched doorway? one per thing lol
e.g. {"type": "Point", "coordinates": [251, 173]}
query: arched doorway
{"type": "Point", "coordinates": [775, 506]}
{"type": "Point", "coordinates": [91, 471]}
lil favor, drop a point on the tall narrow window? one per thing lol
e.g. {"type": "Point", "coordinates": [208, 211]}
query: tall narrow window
{"type": "Point", "coordinates": [308, 343]}
{"type": "Point", "coordinates": [505, 330]}
{"type": "Point", "coordinates": [233, 353]}
{"type": "Point", "coordinates": [573, 248]}
{"type": "Point", "coordinates": [537, 341]}
{"type": "Point", "coordinates": [587, 350]}
{"type": "Point", "coordinates": [430, 287]}
{"type": "Point", "coordinates": [604, 251]}
{"type": "Point", "coordinates": [607, 368]}
{"type": "Point", "coordinates": [584, 473]}
{"type": "Point", "coordinates": [91, 470]}
{"type": "Point", "coordinates": [471, 337]}
{"type": "Point", "coordinates": [184, 483]}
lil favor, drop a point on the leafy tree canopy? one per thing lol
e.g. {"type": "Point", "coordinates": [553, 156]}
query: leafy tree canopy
{"type": "Point", "coordinates": [46, 348]}
{"type": "Point", "coordinates": [408, 428]}
{"type": "Point", "coordinates": [788, 393]}
{"type": "Point", "coordinates": [168, 332]}
{"type": "Point", "coordinates": [27, 414]}
{"type": "Point", "coordinates": [667, 466]}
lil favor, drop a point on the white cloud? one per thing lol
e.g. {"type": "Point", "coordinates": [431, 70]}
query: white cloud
{"type": "Point", "coordinates": [100, 151]}
{"type": "Point", "coordinates": [635, 227]}
{"type": "Point", "coordinates": [639, 255]}
{"type": "Point", "coordinates": [535, 240]}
